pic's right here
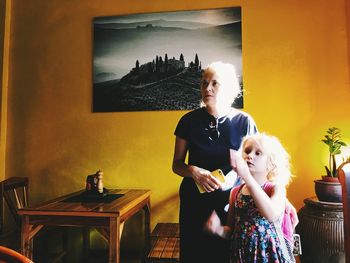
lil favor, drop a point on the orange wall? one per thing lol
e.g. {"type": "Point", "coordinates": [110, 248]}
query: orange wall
{"type": "Point", "coordinates": [347, 7]}
{"type": "Point", "coordinates": [296, 78]}
{"type": "Point", "coordinates": [4, 58]}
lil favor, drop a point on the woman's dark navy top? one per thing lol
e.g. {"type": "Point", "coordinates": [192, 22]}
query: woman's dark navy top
{"type": "Point", "coordinates": [213, 154]}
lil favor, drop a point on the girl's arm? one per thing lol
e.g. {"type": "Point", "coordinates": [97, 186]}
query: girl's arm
{"type": "Point", "coordinates": [199, 175]}
{"type": "Point", "coordinates": [214, 226]}
{"type": "Point", "coordinates": [270, 207]}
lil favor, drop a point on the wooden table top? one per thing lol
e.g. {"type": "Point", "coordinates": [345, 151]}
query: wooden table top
{"type": "Point", "coordinates": [130, 199]}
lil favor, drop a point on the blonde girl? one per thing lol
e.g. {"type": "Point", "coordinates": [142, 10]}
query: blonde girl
{"type": "Point", "coordinates": [257, 206]}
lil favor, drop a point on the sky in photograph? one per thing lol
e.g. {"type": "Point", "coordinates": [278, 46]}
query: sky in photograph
{"type": "Point", "coordinates": [212, 16]}
{"type": "Point", "coordinates": [115, 52]}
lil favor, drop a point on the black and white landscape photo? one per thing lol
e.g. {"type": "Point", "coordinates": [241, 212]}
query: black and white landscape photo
{"type": "Point", "coordinates": [154, 61]}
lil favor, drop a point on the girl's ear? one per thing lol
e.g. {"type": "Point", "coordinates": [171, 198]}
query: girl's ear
{"type": "Point", "coordinates": [270, 165]}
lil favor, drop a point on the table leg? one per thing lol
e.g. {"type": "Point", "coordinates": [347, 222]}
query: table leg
{"type": "Point", "coordinates": [86, 243]}
{"type": "Point", "coordinates": [114, 242]}
{"type": "Point", "coordinates": [147, 211]}
{"type": "Point", "coordinates": [26, 244]}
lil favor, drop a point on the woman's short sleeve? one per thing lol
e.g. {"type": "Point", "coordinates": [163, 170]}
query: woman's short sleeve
{"type": "Point", "coordinates": [182, 127]}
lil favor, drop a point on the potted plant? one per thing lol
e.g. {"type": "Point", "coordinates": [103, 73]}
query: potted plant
{"type": "Point", "coordinates": [329, 189]}
{"type": "Point", "coordinates": [333, 140]}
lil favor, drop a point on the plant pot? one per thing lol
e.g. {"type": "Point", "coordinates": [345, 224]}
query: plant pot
{"type": "Point", "coordinates": [328, 191]}
{"type": "Point", "coordinates": [330, 179]}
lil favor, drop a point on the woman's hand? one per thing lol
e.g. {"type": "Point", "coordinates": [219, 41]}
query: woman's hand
{"type": "Point", "coordinates": [205, 179]}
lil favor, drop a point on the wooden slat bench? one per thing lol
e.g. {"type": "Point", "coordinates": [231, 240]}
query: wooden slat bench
{"type": "Point", "coordinates": [164, 243]}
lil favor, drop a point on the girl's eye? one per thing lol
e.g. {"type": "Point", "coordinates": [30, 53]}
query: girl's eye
{"type": "Point", "coordinates": [247, 150]}
{"type": "Point", "coordinates": [257, 152]}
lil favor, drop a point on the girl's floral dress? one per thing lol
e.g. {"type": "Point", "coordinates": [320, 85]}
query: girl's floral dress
{"type": "Point", "coordinates": [255, 239]}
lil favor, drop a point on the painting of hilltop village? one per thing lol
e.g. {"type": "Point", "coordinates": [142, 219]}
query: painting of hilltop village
{"type": "Point", "coordinates": [154, 61]}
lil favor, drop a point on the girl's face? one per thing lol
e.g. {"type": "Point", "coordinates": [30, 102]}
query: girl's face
{"type": "Point", "coordinates": [210, 88]}
{"type": "Point", "coordinates": [255, 157]}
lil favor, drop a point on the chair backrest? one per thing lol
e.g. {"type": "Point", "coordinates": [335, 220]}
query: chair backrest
{"type": "Point", "coordinates": [14, 191]}
{"type": "Point", "coordinates": [11, 256]}
{"type": "Point", "coordinates": [344, 178]}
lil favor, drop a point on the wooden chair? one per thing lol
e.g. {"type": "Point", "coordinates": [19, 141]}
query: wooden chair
{"type": "Point", "coordinates": [165, 244]}
{"type": "Point", "coordinates": [344, 178]}
{"type": "Point", "coordinates": [14, 191]}
{"type": "Point", "coordinates": [8, 255]}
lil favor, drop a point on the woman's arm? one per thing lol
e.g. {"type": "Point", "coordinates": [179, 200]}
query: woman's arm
{"type": "Point", "coordinates": [180, 151]}
{"type": "Point", "coordinates": [201, 176]}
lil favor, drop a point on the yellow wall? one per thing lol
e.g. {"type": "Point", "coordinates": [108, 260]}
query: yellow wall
{"type": "Point", "coordinates": [296, 74]}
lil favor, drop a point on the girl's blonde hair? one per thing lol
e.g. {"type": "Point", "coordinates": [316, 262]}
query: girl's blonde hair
{"type": "Point", "coordinates": [278, 157]}
{"type": "Point", "coordinates": [230, 87]}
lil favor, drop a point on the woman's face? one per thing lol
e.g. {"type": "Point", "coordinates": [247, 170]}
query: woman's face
{"type": "Point", "coordinates": [210, 88]}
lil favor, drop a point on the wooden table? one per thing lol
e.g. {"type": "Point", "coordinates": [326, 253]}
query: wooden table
{"type": "Point", "coordinates": [106, 217]}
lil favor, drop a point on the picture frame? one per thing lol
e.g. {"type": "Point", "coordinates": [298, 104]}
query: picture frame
{"type": "Point", "coordinates": [154, 61]}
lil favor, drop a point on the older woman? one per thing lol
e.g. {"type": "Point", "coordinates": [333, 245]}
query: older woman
{"type": "Point", "coordinates": [207, 134]}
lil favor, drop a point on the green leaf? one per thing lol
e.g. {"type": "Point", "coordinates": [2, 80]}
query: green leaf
{"type": "Point", "coordinates": [337, 152]}
{"type": "Point", "coordinates": [332, 138]}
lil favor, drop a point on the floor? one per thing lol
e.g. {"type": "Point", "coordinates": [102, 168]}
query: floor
{"type": "Point", "coordinates": [101, 256]}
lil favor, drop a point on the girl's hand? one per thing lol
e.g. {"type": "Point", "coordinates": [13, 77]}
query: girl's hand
{"type": "Point", "coordinates": [205, 179]}
{"type": "Point", "coordinates": [239, 165]}
{"type": "Point", "coordinates": [213, 224]}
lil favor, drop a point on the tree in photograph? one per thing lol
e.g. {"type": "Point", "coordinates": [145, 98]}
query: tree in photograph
{"type": "Point", "coordinates": [150, 67]}
{"type": "Point", "coordinates": [137, 67]}
{"type": "Point", "coordinates": [157, 64]}
{"type": "Point", "coordinates": [166, 62]}
{"type": "Point", "coordinates": [196, 61]}
{"type": "Point", "coordinates": [160, 61]}
{"type": "Point", "coordinates": [181, 57]}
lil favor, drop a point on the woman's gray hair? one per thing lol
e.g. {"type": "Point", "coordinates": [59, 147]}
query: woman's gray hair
{"type": "Point", "coordinates": [229, 83]}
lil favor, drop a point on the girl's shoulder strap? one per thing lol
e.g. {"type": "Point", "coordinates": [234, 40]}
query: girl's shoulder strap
{"type": "Point", "coordinates": [268, 186]}
{"type": "Point", "coordinates": [234, 192]}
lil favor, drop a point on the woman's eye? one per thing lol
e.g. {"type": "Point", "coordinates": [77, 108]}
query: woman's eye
{"type": "Point", "coordinates": [215, 83]}
{"type": "Point", "coordinates": [204, 83]}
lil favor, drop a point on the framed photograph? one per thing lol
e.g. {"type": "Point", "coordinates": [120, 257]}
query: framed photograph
{"type": "Point", "coordinates": [154, 61]}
